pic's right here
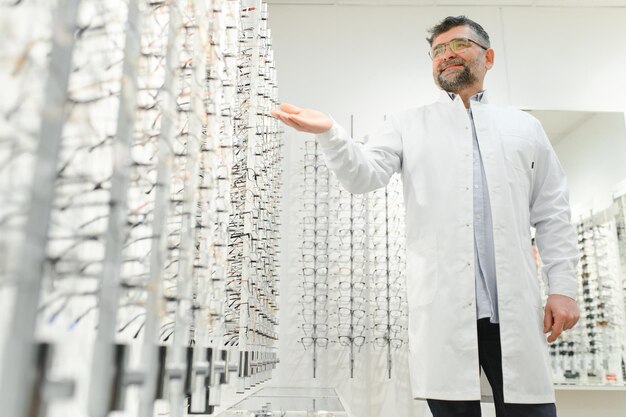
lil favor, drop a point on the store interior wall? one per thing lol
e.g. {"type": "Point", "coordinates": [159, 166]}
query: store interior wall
{"type": "Point", "coordinates": [593, 158]}
{"type": "Point", "coordinates": [369, 61]}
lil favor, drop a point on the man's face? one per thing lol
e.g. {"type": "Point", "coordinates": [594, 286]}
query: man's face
{"type": "Point", "coordinates": [455, 72]}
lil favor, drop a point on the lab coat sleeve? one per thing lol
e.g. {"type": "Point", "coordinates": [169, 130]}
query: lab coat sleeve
{"type": "Point", "coordinates": [550, 216]}
{"type": "Point", "coordinates": [361, 168]}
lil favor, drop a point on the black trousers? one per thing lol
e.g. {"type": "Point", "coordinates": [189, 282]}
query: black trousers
{"type": "Point", "coordinates": [490, 357]}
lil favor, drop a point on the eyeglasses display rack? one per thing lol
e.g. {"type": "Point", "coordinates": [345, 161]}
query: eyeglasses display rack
{"type": "Point", "coordinates": [593, 353]}
{"type": "Point", "coordinates": [353, 290]}
{"type": "Point", "coordinates": [139, 222]}
{"type": "Point", "coordinates": [388, 255]}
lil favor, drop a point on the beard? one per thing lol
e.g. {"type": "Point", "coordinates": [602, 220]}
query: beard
{"type": "Point", "coordinates": [457, 81]}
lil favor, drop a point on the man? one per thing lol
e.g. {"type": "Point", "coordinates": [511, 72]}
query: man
{"type": "Point", "coordinates": [475, 176]}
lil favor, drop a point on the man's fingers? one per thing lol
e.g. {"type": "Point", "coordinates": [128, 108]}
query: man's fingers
{"type": "Point", "coordinates": [299, 120]}
{"type": "Point", "coordinates": [557, 329]}
{"type": "Point", "coordinates": [292, 120]}
{"type": "Point", "coordinates": [547, 319]}
{"type": "Point", "coordinates": [290, 108]}
{"type": "Point", "coordinates": [279, 114]}
{"type": "Point", "coordinates": [287, 121]}
{"type": "Point", "coordinates": [561, 314]}
{"type": "Point", "coordinates": [300, 123]}
{"type": "Point", "coordinates": [571, 323]}
{"type": "Point", "coordinates": [313, 125]}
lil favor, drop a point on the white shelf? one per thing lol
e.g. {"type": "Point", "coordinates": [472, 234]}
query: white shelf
{"type": "Point", "coordinates": [559, 387]}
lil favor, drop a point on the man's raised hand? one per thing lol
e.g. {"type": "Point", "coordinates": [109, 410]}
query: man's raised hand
{"type": "Point", "coordinates": [304, 120]}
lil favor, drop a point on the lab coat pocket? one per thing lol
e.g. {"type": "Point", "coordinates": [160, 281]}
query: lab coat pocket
{"type": "Point", "coordinates": [520, 161]}
{"type": "Point", "coordinates": [421, 271]}
{"type": "Point", "coordinates": [519, 153]}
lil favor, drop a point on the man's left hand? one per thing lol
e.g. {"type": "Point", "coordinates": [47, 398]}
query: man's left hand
{"type": "Point", "coordinates": [561, 313]}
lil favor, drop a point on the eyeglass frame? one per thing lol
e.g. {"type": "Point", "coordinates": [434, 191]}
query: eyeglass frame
{"type": "Point", "coordinates": [445, 44]}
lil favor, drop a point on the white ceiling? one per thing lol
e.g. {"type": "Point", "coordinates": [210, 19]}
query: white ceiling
{"type": "Point", "coordinates": [531, 3]}
{"type": "Point", "coordinates": [559, 124]}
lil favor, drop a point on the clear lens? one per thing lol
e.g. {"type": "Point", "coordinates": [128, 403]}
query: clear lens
{"type": "Point", "coordinates": [459, 44]}
{"type": "Point", "coordinates": [438, 50]}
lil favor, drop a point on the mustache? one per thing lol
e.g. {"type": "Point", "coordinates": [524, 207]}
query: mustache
{"type": "Point", "coordinates": [455, 61]}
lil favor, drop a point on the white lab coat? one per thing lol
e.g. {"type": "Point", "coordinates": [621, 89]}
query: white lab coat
{"type": "Point", "coordinates": [431, 146]}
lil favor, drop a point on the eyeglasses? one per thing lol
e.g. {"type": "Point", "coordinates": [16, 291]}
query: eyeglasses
{"type": "Point", "coordinates": [318, 341]}
{"type": "Point", "coordinates": [357, 286]}
{"type": "Point", "coordinates": [347, 328]}
{"type": "Point", "coordinates": [346, 312]}
{"type": "Point", "coordinates": [309, 328]}
{"type": "Point", "coordinates": [347, 340]}
{"type": "Point", "coordinates": [381, 313]}
{"type": "Point", "coordinates": [345, 299]}
{"type": "Point", "coordinates": [384, 327]}
{"type": "Point", "coordinates": [310, 314]}
{"type": "Point", "coordinates": [321, 287]}
{"type": "Point", "coordinates": [456, 45]}
{"type": "Point", "coordinates": [392, 341]}
{"type": "Point", "coordinates": [317, 298]}
{"type": "Point", "coordinates": [309, 272]}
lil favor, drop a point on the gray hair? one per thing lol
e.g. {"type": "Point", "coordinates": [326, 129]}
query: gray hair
{"type": "Point", "coordinates": [452, 22]}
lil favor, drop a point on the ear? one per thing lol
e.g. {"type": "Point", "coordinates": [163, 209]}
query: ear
{"type": "Point", "coordinates": [489, 57]}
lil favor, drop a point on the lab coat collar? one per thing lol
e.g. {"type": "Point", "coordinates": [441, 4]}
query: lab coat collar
{"type": "Point", "coordinates": [480, 97]}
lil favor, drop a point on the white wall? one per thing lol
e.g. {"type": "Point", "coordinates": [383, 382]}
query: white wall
{"type": "Point", "coordinates": [593, 157]}
{"type": "Point", "coordinates": [370, 61]}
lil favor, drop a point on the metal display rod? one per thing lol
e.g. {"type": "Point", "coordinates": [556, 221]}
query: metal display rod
{"type": "Point", "coordinates": [19, 361]}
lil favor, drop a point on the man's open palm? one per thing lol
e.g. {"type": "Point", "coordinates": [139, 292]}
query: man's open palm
{"type": "Point", "coordinates": [304, 120]}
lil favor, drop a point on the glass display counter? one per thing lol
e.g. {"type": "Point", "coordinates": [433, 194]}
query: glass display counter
{"type": "Point", "coordinates": [289, 402]}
